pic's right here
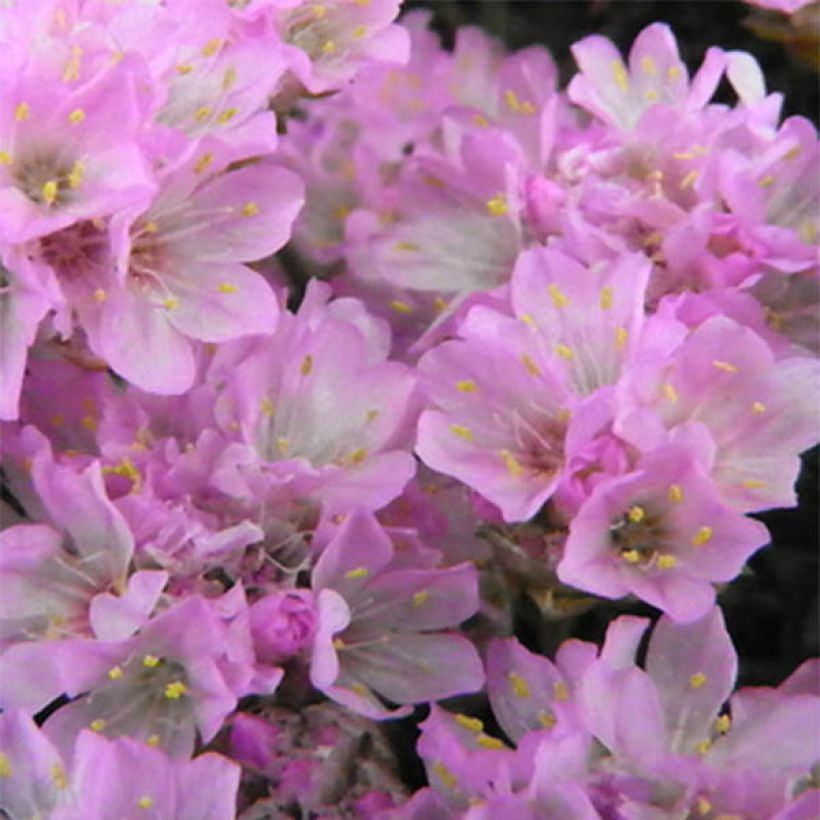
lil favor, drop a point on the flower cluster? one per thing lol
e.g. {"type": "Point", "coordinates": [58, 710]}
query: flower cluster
{"type": "Point", "coordinates": [255, 505]}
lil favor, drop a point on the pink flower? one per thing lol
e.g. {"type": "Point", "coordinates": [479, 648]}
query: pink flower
{"type": "Point", "coordinates": [659, 532]}
{"type": "Point", "coordinates": [282, 623]}
{"type": "Point", "coordinates": [379, 627]}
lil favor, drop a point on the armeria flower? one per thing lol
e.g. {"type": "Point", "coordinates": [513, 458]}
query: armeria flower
{"type": "Point", "coordinates": [379, 625]}
{"type": "Point", "coordinates": [667, 724]}
{"type": "Point", "coordinates": [75, 584]}
{"type": "Point", "coordinates": [619, 94]}
{"type": "Point", "coordinates": [119, 778]}
{"type": "Point", "coordinates": [660, 533]}
{"type": "Point", "coordinates": [282, 397]}
{"type": "Point", "coordinates": [530, 693]}
{"type": "Point", "coordinates": [181, 276]}
{"type": "Point", "coordinates": [329, 41]}
{"type": "Point", "coordinates": [282, 623]}
{"type": "Point", "coordinates": [160, 686]}
{"type": "Point", "coordinates": [759, 412]}
{"type": "Point", "coordinates": [507, 395]}
{"type": "Point", "coordinates": [69, 153]}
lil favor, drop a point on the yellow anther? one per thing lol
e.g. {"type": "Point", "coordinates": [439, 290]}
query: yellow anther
{"type": "Point", "coordinates": [405, 246]}
{"type": "Point", "coordinates": [669, 392]}
{"type": "Point", "coordinates": [329, 47]}
{"type": "Point", "coordinates": [697, 680]}
{"type": "Point", "coordinates": [620, 75]}
{"type": "Point", "coordinates": [371, 415]}
{"type": "Point", "coordinates": [71, 72]}
{"type": "Point", "coordinates": [203, 162]}
{"type": "Point", "coordinates": [145, 802]}
{"type": "Point", "coordinates": [605, 300]}
{"type": "Point", "coordinates": [360, 689]}
{"type": "Point", "coordinates": [462, 432]}
{"type": "Point", "coordinates": [49, 192]}
{"type": "Point", "coordinates": [227, 115]}
{"type": "Point", "coordinates": [90, 423]}
{"type": "Point", "coordinates": [175, 690]}
{"type": "Point", "coordinates": [22, 112]}
{"type": "Point", "coordinates": [184, 68]}
{"type": "Point", "coordinates": [401, 307]}
{"type": "Point", "coordinates": [97, 725]}
{"type": "Point", "coordinates": [467, 386]}
{"type": "Point", "coordinates": [250, 209]}
{"type": "Point", "coordinates": [727, 367]}
{"type": "Point", "coordinates": [752, 484]}
{"type": "Point", "coordinates": [690, 179]}
{"type": "Point", "coordinates": [355, 574]}
{"type": "Point", "coordinates": [651, 95]}
{"type": "Point", "coordinates": [211, 47]}
{"type": "Point", "coordinates": [703, 747]}
{"type": "Point", "coordinates": [512, 464]}
{"type": "Point", "coordinates": [359, 32]}
{"type": "Point", "coordinates": [150, 227]}
{"type": "Point", "coordinates": [487, 742]}
{"type": "Point", "coordinates": [636, 514]}
{"type": "Point", "coordinates": [631, 556]}
{"type": "Point", "coordinates": [283, 445]}
{"type": "Point", "coordinates": [667, 561]}
{"type": "Point", "coordinates": [153, 740]}
{"type": "Point", "coordinates": [794, 153]}
{"type": "Point", "coordinates": [100, 295]}
{"type": "Point", "coordinates": [532, 367]}
{"type": "Point", "coordinates": [527, 108]}
{"type": "Point", "coordinates": [621, 337]}
{"type": "Point", "coordinates": [227, 287]}
{"type": "Point", "coordinates": [5, 158]}
{"type": "Point", "coordinates": [202, 113]}
{"type": "Point", "coordinates": [497, 205]}
{"type": "Point", "coordinates": [703, 806]}
{"type": "Point", "coordinates": [560, 691]}
{"type": "Point", "coordinates": [170, 303]}
{"type": "Point", "coordinates": [675, 493]}
{"type": "Point", "coordinates": [471, 723]}
{"type": "Point", "coordinates": [59, 776]}
{"type": "Point", "coordinates": [564, 351]}
{"type": "Point", "coordinates": [702, 536]}
{"type": "Point", "coordinates": [362, 2]}
{"type": "Point", "coordinates": [358, 455]}
{"type": "Point", "coordinates": [229, 78]}
{"type": "Point", "coordinates": [648, 65]}
{"type": "Point", "coordinates": [520, 686]}
{"type": "Point", "coordinates": [673, 72]}
{"type": "Point", "coordinates": [559, 299]}
{"type": "Point", "coordinates": [115, 673]}
{"type": "Point", "coordinates": [76, 116]}
{"type": "Point", "coordinates": [266, 406]}
{"type": "Point", "coordinates": [683, 155]}
{"type": "Point", "coordinates": [547, 719]}
{"type": "Point", "coordinates": [421, 597]}
{"type": "Point", "coordinates": [447, 778]}
{"type": "Point", "coordinates": [75, 176]}
{"type": "Point", "coordinates": [480, 120]}
{"type": "Point", "coordinates": [527, 320]}
{"type": "Point", "coordinates": [758, 407]}
{"type": "Point", "coordinates": [151, 661]}
{"type": "Point", "coordinates": [5, 766]}
{"type": "Point", "coordinates": [58, 419]}
{"type": "Point", "coordinates": [766, 181]}
{"type": "Point", "coordinates": [319, 11]}
{"type": "Point", "coordinates": [723, 724]}
{"type": "Point", "coordinates": [307, 365]}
